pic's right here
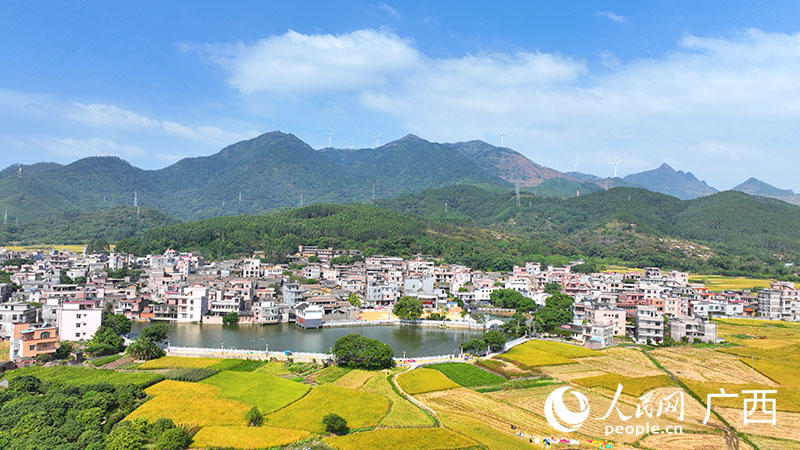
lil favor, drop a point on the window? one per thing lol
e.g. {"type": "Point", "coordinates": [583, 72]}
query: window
{"type": "Point", "coordinates": [32, 347]}
{"type": "Point", "coordinates": [44, 335]}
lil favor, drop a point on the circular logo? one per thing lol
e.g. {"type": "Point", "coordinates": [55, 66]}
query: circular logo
{"type": "Point", "coordinates": [557, 413]}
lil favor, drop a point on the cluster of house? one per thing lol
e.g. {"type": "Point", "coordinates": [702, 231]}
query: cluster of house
{"type": "Point", "coordinates": [319, 285]}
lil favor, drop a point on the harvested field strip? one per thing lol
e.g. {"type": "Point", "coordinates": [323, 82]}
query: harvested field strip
{"type": "Point", "coordinates": [421, 380]}
{"type": "Point", "coordinates": [194, 404]}
{"type": "Point", "coordinates": [785, 423]}
{"type": "Point", "coordinates": [274, 368]}
{"type": "Point", "coordinates": [268, 392]}
{"type": "Point", "coordinates": [630, 386]}
{"type": "Point", "coordinates": [487, 410]}
{"type": "Point", "coordinates": [788, 399]}
{"type": "Point", "coordinates": [706, 365]}
{"type": "Point", "coordinates": [245, 437]}
{"type": "Point", "coordinates": [689, 441]}
{"type": "Point", "coordinates": [402, 413]}
{"type": "Point", "coordinates": [628, 361]}
{"type": "Point", "coordinates": [360, 409]}
{"type": "Point", "coordinates": [419, 439]}
{"type": "Point", "coordinates": [505, 368]}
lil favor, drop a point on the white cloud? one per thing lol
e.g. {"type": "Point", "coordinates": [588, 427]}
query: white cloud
{"type": "Point", "coordinates": [713, 105]}
{"type": "Point", "coordinates": [611, 16]}
{"type": "Point", "coordinates": [114, 117]}
{"type": "Point", "coordinates": [81, 148]}
{"type": "Point", "coordinates": [392, 11]}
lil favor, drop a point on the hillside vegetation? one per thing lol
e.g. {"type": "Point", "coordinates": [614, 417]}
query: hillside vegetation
{"type": "Point", "coordinates": [729, 233]}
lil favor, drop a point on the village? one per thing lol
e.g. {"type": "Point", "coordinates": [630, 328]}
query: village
{"type": "Point", "coordinates": [57, 296]}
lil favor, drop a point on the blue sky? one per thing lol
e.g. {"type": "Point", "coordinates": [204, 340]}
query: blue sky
{"type": "Point", "coordinates": [709, 87]}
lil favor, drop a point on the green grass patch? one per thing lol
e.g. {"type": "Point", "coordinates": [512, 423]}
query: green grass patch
{"type": "Point", "coordinates": [632, 386]}
{"type": "Point", "coordinates": [330, 374]}
{"type": "Point", "coordinates": [86, 375]}
{"type": "Point", "coordinates": [360, 409]}
{"type": "Point", "coordinates": [267, 392]}
{"type": "Point", "coordinates": [105, 360]}
{"type": "Point", "coordinates": [422, 380]}
{"type": "Point", "coordinates": [427, 439]}
{"type": "Point", "coordinates": [467, 375]}
{"type": "Point", "coordinates": [248, 365]}
{"type": "Point", "coordinates": [226, 364]}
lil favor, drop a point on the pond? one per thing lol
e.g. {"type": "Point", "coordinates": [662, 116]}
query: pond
{"type": "Point", "coordinates": [415, 341]}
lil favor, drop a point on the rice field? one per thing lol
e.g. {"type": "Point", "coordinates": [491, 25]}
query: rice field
{"type": "Point", "coordinates": [483, 434]}
{"type": "Point", "coordinates": [171, 362]}
{"type": "Point", "coordinates": [360, 409]}
{"type": "Point", "coordinates": [723, 283]}
{"type": "Point", "coordinates": [398, 439]}
{"type": "Point", "coordinates": [560, 348]}
{"type": "Point", "coordinates": [785, 423]}
{"type": "Point", "coordinates": [274, 368]}
{"type": "Point", "coordinates": [766, 443]}
{"type": "Point", "coordinates": [487, 410]}
{"type": "Point", "coordinates": [707, 365]}
{"type": "Point", "coordinates": [531, 357]}
{"type": "Point", "coordinates": [468, 375]}
{"type": "Point", "coordinates": [689, 442]}
{"type": "Point", "coordinates": [504, 368]}
{"type": "Point", "coordinates": [628, 361]}
{"type": "Point", "coordinates": [421, 380]}
{"type": "Point", "coordinates": [330, 374]}
{"type": "Point", "coordinates": [4, 351]}
{"type": "Point", "coordinates": [268, 392]}
{"type": "Point", "coordinates": [402, 413]}
{"type": "Point", "coordinates": [72, 248]}
{"type": "Point", "coordinates": [243, 437]}
{"type": "Point", "coordinates": [356, 378]}
{"type": "Point", "coordinates": [85, 375]}
{"type": "Point", "coordinates": [193, 404]}
{"type": "Point", "coordinates": [630, 386]}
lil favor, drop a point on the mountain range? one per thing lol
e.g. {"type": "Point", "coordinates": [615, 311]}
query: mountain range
{"type": "Point", "coordinates": [278, 170]}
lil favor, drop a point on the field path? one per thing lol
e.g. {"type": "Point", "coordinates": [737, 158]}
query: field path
{"type": "Point", "coordinates": [731, 438]}
{"type": "Point", "coordinates": [413, 400]}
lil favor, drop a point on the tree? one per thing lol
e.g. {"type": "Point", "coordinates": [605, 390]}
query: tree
{"type": "Point", "coordinates": [254, 417]}
{"type": "Point", "coordinates": [118, 323]}
{"type": "Point", "coordinates": [105, 342]}
{"type": "Point", "coordinates": [156, 333]}
{"type": "Point", "coordinates": [64, 278]}
{"type": "Point", "coordinates": [230, 319]}
{"type": "Point", "coordinates": [335, 423]}
{"type": "Point", "coordinates": [63, 351]}
{"type": "Point", "coordinates": [97, 245]}
{"type": "Point", "coordinates": [145, 349]}
{"type": "Point", "coordinates": [509, 298]}
{"type": "Point", "coordinates": [359, 352]}
{"type": "Point", "coordinates": [495, 340]}
{"type": "Point", "coordinates": [277, 288]}
{"type": "Point", "coordinates": [552, 288]}
{"type": "Point", "coordinates": [408, 308]}
{"type": "Point", "coordinates": [124, 438]}
{"type": "Point", "coordinates": [586, 267]}
{"type": "Point", "coordinates": [354, 299]}
{"type": "Point", "coordinates": [556, 312]}
{"type": "Point", "coordinates": [474, 345]}
{"type": "Point", "coordinates": [173, 439]}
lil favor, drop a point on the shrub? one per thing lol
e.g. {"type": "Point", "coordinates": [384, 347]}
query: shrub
{"type": "Point", "coordinates": [254, 418]}
{"type": "Point", "coordinates": [173, 439]}
{"type": "Point", "coordinates": [146, 349]}
{"type": "Point", "coordinates": [230, 319]}
{"type": "Point", "coordinates": [335, 423]}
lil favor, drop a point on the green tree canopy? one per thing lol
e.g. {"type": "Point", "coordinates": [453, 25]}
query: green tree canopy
{"type": "Point", "coordinates": [335, 423]}
{"type": "Point", "coordinates": [408, 308]}
{"type": "Point", "coordinates": [359, 352]}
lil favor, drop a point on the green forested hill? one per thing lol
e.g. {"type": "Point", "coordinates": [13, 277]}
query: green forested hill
{"type": "Point", "coordinates": [79, 227]}
{"type": "Point", "coordinates": [250, 177]}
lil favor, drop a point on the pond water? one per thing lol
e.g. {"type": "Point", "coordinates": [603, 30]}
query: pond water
{"type": "Point", "coordinates": [415, 341]}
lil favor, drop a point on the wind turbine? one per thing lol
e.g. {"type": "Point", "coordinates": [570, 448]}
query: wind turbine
{"type": "Point", "coordinates": [575, 165]}
{"type": "Point", "coordinates": [502, 136]}
{"type": "Point", "coordinates": [615, 168]}
{"type": "Point", "coordinates": [378, 140]}
{"type": "Point", "coordinates": [330, 138]}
